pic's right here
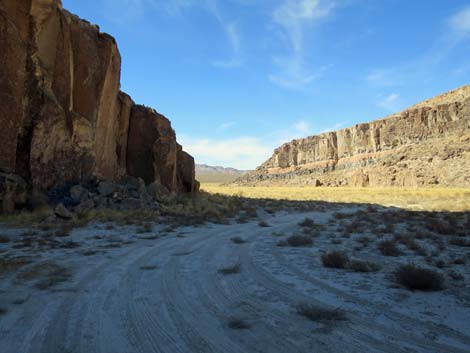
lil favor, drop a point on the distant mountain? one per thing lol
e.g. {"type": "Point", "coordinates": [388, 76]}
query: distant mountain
{"type": "Point", "coordinates": [210, 174]}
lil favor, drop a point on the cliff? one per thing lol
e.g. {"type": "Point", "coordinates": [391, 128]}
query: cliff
{"type": "Point", "coordinates": [63, 117]}
{"type": "Point", "coordinates": [427, 144]}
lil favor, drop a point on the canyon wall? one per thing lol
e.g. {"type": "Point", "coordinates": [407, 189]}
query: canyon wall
{"type": "Point", "coordinates": [63, 117]}
{"type": "Point", "coordinates": [383, 152]}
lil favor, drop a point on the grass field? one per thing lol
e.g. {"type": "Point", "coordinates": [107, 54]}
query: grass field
{"type": "Point", "coordinates": [432, 199]}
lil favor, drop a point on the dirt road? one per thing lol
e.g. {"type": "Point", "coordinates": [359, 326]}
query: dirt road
{"type": "Point", "coordinates": [168, 295]}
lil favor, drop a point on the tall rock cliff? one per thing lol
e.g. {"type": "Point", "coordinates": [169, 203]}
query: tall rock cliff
{"type": "Point", "coordinates": [427, 144]}
{"type": "Point", "coordinates": [63, 117]}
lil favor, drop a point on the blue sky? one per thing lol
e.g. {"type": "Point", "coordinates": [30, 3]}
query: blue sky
{"type": "Point", "coordinates": [238, 78]}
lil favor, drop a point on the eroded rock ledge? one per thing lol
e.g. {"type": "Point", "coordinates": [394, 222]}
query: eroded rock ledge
{"type": "Point", "coordinates": [63, 117]}
{"type": "Point", "coordinates": [427, 144]}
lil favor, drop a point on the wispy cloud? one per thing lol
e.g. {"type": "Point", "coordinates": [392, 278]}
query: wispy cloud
{"type": "Point", "coordinates": [294, 17]}
{"type": "Point", "coordinates": [390, 102]}
{"type": "Point", "coordinates": [303, 127]}
{"type": "Point", "coordinates": [455, 32]}
{"type": "Point", "coordinates": [241, 152]}
{"type": "Point", "coordinates": [460, 22]}
{"type": "Point", "coordinates": [226, 125]}
{"type": "Point", "coordinates": [135, 9]}
{"type": "Point", "coordinates": [231, 32]}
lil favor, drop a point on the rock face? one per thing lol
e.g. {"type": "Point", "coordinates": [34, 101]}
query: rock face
{"type": "Point", "coordinates": [426, 144]}
{"type": "Point", "coordinates": [63, 117]}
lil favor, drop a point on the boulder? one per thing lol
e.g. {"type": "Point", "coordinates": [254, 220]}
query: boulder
{"type": "Point", "coordinates": [62, 212]}
{"type": "Point", "coordinates": [13, 192]}
{"type": "Point", "coordinates": [78, 193]}
{"type": "Point", "coordinates": [106, 188]}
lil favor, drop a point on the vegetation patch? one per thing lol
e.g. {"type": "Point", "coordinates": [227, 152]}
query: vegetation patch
{"type": "Point", "coordinates": [416, 278]}
{"type": "Point", "coordinates": [263, 224]}
{"type": "Point", "coordinates": [238, 240]}
{"type": "Point", "coordinates": [363, 266]}
{"type": "Point", "coordinates": [297, 241]}
{"type": "Point", "coordinates": [389, 248]}
{"type": "Point", "coordinates": [236, 323]}
{"type": "Point", "coordinates": [230, 270]}
{"type": "Point", "coordinates": [319, 314]}
{"type": "Point", "coordinates": [335, 259]}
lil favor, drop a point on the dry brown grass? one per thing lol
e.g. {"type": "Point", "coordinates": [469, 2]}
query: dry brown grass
{"type": "Point", "coordinates": [431, 199]}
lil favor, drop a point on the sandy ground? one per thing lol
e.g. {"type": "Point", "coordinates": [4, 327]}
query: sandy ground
{"type": "Point", "coordinates": [166, 294]}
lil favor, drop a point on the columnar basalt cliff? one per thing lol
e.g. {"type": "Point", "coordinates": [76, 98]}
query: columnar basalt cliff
{"type": "Point", "coordinates": [427, 144]}
{"type": "Point", "coordinates": [63, 117]}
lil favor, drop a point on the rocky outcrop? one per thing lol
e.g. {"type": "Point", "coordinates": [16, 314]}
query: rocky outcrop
{"type": "Point", "coordinates": [63, 117]}
{"type": "Point", "coordinates": [383, 152]}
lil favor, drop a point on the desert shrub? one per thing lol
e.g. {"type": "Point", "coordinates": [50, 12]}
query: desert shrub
{"type": "Point", "coordinates": [335, 259]}
{"type": "Point", "coordinates": [307, 223]}
{"type": "Point", "coordinates": [363, 266]}
{"type": "Point", "coordinates": [64, 231]}
{"type": "Point", "coordinates": [145, 228]}
{"type": "Point", "coordinates": [236, 323]}
{"type": "Point", "coordinates": [389, 248]}
{"type": "Point", "coordinates": [298, 240]}
{"type": "Point", "coordinates": [364, 241]}
{"type": "Point", "coordinates": [441, 227]}
{"type": "Point", "coordinates": [416, 278]}
{"type": "Point", "coordinates": [459, 242]}
{"type": "Point", "coordinates": [263, 224]}
{"type": "Point", "coordinates": [148, 267]}
{"type": "Point", "coordinates": [353, 227]}
{"type": "Point", "coordinates": [230, 270]}
{"type": "Point", "coordinates": [3, 310]}
{"type": "Point", "coordinates": [339, 215]}
{"type": "Point", "coordinates": [4, 239]}
{"type": "Point", "coordinates": [238, 240]}
{"type": "Point", "coordinates": [319, 314]}
{"type": "Point", "coordinates": [460, 261]}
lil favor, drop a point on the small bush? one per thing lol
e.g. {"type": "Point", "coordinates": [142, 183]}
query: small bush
{"type": "Point", "coordinates": [231, 270]}
{"type": "Point", "coordinates": [335, 259]}
{"type": "Point", "coordinates": [236, 323]}
{"type": "Point", "coordinates": [145, 228]}
{"type": "Point", "coordinates": [363, 266]}
{"type": "Point", "coordinates": [238, 240]}
{"type": "Point", "coordinates": [307, 223]}
{"type": "Point", "coordinates": [417, 278]}
{"type": "Point", "coordinates": [460, 261]}
{"type": "Point", "coordinates": [4, 239]}
{"type": "Point", "coordinates": [460, 242]}
{"type": "Point", "coordinates": [389, 248]}
{"type": "Point", "coordinates": [263, 224]}
{"type": "Point", "coordinates": [297, 241]}
{"type": "Point", "coordinates": [318, 314]}
{"type": "Point", "coordinates": [364, 241]}
{"type": "Point", "coordinates": [148, 267]}
{"type": "Point", "coordinates": [3, 310]}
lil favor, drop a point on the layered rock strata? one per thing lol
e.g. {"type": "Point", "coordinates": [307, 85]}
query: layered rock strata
{"type": "Point", "coordinates": [385, 152]}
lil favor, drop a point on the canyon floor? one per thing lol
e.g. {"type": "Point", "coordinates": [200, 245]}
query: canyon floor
{"type": "Point", "coordinates": [259, 284]}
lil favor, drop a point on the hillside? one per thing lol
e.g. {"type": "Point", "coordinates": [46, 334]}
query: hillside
{"type": "Point", "coordinates": [217, 174]}
{"type": "Point", "coordinates": [427, 144]}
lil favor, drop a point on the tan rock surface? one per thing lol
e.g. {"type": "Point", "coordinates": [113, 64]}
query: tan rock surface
{"type": "Point", "coordinates": [403, 149]}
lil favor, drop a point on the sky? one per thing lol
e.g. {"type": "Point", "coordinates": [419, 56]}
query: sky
{"type": "Point", "coordinates": [237, 78]}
